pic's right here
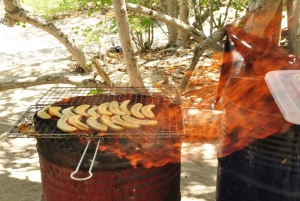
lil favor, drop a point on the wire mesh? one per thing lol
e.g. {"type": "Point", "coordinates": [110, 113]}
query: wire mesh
{"type": "Point", "coordinates": [167, 110]}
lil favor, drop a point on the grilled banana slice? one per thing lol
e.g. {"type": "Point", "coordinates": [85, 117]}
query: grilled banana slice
{"type": "Point", "coordinates": [124, 107]}
{"type": "Point", "coordinates": [102, 109]}
{"type": "Point", "coordinates": [68, 111]}
{"type": "Point", "coordinates": [135, 110]}
{"type": "Point", "coordinates": [114, 108]}
{"type": "Point", "coordinates": [55, 111]}
{"type": "Point", "coordinates": [62, 125]}
{"type": "Point", "coordinates": [147, 112]}
{"type": "Point", "coordinates": [93, 111]}
{"type": "Point", "coordinates": [81, 110]}
{"type": "Point", "coordinates": [142, 122]}
{"type": "Point", "coordinates": [116, 119]}
{"type": "Point", "coordinates": [75, 121]}
{"type": "Point", "coordinates": [106, 121]}
{"type": "Point", "coordinates": [43, 113]}
{"type": "Point", "coordinates": [95, 124]}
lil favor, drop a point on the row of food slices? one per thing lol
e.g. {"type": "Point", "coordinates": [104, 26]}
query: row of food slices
{"type": "Point", "coordinates": [109, 115]}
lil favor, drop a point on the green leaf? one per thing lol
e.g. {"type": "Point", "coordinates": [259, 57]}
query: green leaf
{"type": "Point", "coordinates": [93, 92]}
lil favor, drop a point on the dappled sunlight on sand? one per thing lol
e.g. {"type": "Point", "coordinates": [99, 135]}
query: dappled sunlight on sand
{"type": "Point", "coordinates": [198, 151]}
{"type": "Point", "coordinates": [19, 162]}
{"type": "Point", "coordinates": [198, 180]}
{"type": "Point", "coordinates": [19, 159]}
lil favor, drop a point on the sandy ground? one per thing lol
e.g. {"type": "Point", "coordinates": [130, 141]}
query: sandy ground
{"type": "Point", "coordinates": [30, 51]}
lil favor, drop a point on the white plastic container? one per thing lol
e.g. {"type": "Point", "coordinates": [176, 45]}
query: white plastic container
{"type": "Point", "coordinates": [284, 86]}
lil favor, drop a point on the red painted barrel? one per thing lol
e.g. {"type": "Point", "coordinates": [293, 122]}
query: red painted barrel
{"type": "Point", "coordinates": [113, 178]}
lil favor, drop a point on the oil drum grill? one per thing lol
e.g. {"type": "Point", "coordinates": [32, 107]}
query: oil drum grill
{"type": "Point", "coordinates": [167, 110]}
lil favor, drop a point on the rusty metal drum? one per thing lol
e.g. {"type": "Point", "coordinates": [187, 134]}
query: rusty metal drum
{"type": "Point", "coordinates": [113, 178]}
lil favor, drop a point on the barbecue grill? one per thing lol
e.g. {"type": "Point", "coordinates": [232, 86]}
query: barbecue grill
{"type": "Point", "coordinates": [167, 110]}
{"type": "Point", "coordinates": [166, 100]}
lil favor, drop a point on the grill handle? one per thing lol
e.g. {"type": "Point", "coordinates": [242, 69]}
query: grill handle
{"type": "Point", "coordinates": [92, 163]}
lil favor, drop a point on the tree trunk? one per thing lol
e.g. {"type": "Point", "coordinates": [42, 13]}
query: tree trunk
{"type": "Point", "coordinates": [293, 13]}
{"type": "Point", "coordinates": [163, 6]}
{"type": "Point", "coordinates": [14, 14]}
{"type": "Point", "coordinates": [264, 19]}
{"type": "Point", "coordinates": [126, 43]}
{"type": "Point", "coordinates": [172, 10]}
{"type": "Point", "coordinates": [182, 39]}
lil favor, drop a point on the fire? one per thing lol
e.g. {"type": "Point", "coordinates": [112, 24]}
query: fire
{"type": "Point", "coordinates": [249, 110]}
{"type": "Point", "coordinates": [148, 152]}
{"type": "Point", "coordinates": [245, 110]}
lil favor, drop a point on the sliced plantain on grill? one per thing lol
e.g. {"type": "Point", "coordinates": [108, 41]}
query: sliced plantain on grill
{"type": "Point", "coordinates": [114, 108]}
{"type": "Point", "coordinates": [68, 111]}
{"type": "Point", "coordinates": [142, 122]}
{"type": "Point", "coordinates": [81, 110]}
{"type": "Point", "coordinates": [147, 112]}
{"type": "Point", "coordinates": [93, 123]}
{"type": "Point", "coordinates": [102, 109]}
{"type": "Point", "coordinates": [43, 113]}
{"type": "Point", "coordinates": [124, 107]}
{"type": "Point", "coordinates": [116, 119]}
{"type": "Point", "coordinates": [55, 111]}
{"type": "Point", "coordinates": [93, 111]}
{"type": "Point", "coordinates": [106, 121]}
{"type": "Point", "coordinates": [135, 110]}
{"type": "Point", "coordinates": [75, 121]}
{"type": "Point", "coordinates": [62, 125]}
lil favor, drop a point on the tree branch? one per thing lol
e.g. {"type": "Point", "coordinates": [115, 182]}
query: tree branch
{"type": "Point", "coordinates": [101, 72]}
{"type": "Point", "coordinates": [198, 51]}
{"type": "Point", "coordinates": [56, 78]}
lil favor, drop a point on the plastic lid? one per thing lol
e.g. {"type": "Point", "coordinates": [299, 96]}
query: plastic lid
{"type": "Point", "coordinates": [284, 86]}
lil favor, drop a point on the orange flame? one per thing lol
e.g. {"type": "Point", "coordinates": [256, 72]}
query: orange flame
{"type": "Point", "coordinates": [245, 109]}
{"type": "Point", "coordinates": [149, 152]}
{"type": "Point", "coordinates": [249, 110]}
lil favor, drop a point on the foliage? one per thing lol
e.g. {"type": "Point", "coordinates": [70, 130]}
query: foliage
{"type": "Point", "coordinates": [219, 14]}
{"type": "Point", "coordinates": [48, 9]}
{"type": "Point", "coordinates": [95, 91]}
{"type": "Point", "coordinates": [22, 24]}
{"type": "Point", "coordinates": [141, 31]}
{"type": "Point", "coordinates": [92, 33]}
{"type": "Point", "coordinates": [142, 27]}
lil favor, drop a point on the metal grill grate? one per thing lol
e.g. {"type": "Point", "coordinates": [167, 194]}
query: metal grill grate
{"type": "Point", "coordinates": [167, 110]}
